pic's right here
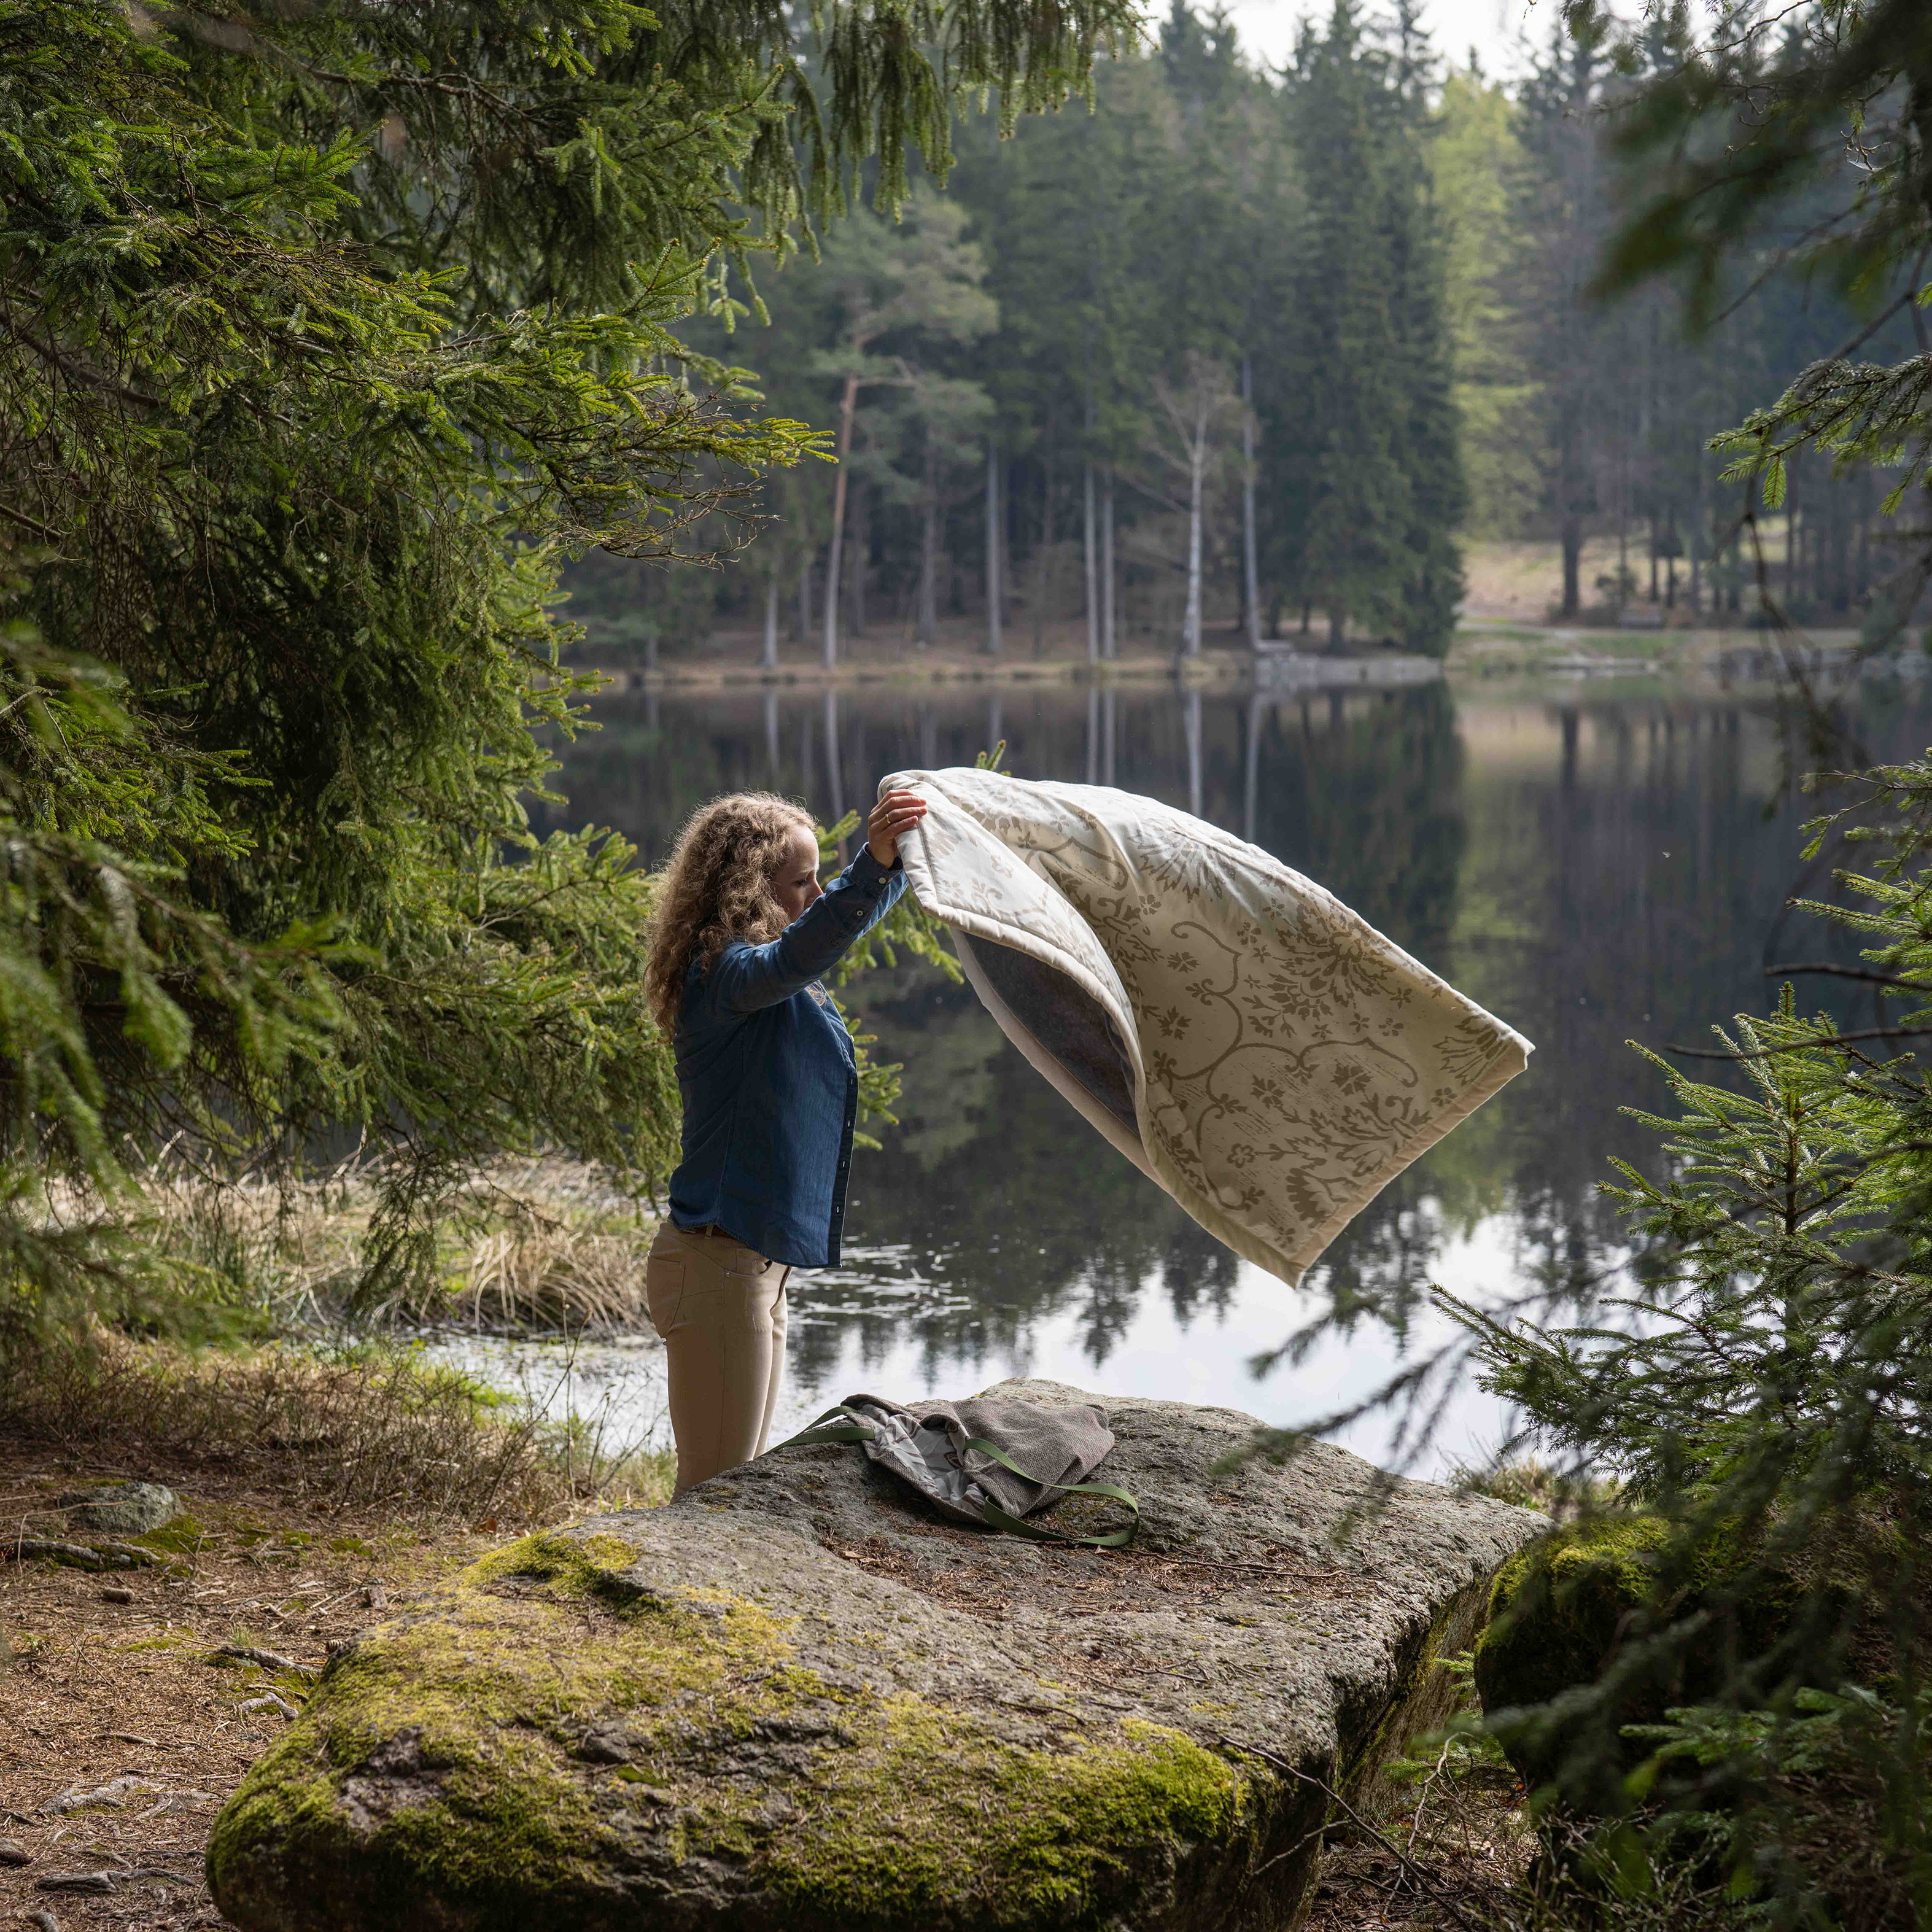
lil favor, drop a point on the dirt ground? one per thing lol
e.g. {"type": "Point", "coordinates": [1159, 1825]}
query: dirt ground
{"type": "Point", "coordinates": [127, 1701]}
{"type": "Point", "coordinates": [123, 1731]}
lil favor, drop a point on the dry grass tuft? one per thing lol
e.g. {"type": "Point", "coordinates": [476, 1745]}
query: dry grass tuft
{"type": "Point", "coordinates": [539, 1244]}
{"type": "Point", "coordinates": [373, 1432]}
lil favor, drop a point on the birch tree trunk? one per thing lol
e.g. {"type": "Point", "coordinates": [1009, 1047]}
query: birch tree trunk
{"type": "Point", "coordinates": [1197, 476]}
{"type": "Point", "coordinates": [1251, 572]}
{"type": "Point", "coordinates": [834, 778]}
{"type": "Point", "coordinates": [1251, 766]}
{"type": "Point", "coordinates": [861, 553]}
{"type": "Point", "coordinates": [1090, 535]}
{"type": "Point", "coordinates": [1193, 716]}
{"type": "Point", "coordinates": [1109, 637]}
{"type": "Point", "coordinates": [929, 550]}
{"type": "Point", "coordinates": [846, 408]}
{"type": "Point", "coordinates": [994, 586]}
{"type": "Point", "coordinates": [769, 657]}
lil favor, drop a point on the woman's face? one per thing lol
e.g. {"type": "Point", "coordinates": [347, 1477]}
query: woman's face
{"type": "Point", "coordinates": [795, 882]}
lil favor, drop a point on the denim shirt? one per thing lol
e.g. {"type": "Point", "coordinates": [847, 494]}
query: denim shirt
{"type": "Point", "coordinates": [770, 1080]}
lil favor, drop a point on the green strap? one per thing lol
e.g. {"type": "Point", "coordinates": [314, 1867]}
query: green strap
{"type": "Point", "coordinates": [1112, 1539]}
{"type": "Point", "coordinates": [855, 1428]}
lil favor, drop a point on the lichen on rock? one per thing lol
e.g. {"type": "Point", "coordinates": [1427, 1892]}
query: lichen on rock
{"type": "Point", "coordinates": [794, 1700]}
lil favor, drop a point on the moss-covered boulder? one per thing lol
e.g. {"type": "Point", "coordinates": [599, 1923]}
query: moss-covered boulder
{"type": "Point", "coordinates": [796, 1700]}
{"type": "Point", "coordinates": [1585, 1607]}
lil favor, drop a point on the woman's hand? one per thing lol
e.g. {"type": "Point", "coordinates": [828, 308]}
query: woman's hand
{"type": "Point", "coordinates": [898, 811]}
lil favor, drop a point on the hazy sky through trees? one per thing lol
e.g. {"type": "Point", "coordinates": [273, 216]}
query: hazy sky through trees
{"type": "Point", "coordinates": [1494, 28]}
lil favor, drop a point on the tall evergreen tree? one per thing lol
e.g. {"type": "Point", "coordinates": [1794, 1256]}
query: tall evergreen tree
{"type": "Point", "coordinates": [328, 331]}
{"type": "Point", "coordinates": [1475, 157]}
{"type": "Point", "coordinates": [1431, 446]}
{"type": "Point", "coordinates": [1354, 502]}
{"type": "Point", "coordinates": [1562, 213]}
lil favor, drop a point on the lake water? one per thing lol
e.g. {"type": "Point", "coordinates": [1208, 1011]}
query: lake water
{"type": "Point", "coordinates": [1592, 862]}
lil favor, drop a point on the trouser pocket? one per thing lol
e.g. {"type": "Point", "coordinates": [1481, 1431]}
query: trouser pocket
{"type": "Point", "coordinates": [664, 1277]}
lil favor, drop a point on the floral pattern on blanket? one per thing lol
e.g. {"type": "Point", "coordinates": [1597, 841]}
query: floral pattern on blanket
{"type": "Point", "coordinates": [1291, 1060]}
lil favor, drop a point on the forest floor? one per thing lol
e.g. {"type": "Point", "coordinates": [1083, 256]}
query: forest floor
{"type": "Point", "coordinates": [111, 1683]}
{"type": "Point", "coordinates": [124, 1730]}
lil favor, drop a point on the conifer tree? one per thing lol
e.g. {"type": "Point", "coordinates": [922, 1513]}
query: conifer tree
{"type": "Point", "coordinates": [1431, 446]}
{"type": "Point", "coordinates": [1354, 504]}
{"type": "Point", "coordinates": [1475, 160]}
{"type": "Point", "coordinates": [328, 332]}
{"type": "Point", "coordinates": [1561, 220]}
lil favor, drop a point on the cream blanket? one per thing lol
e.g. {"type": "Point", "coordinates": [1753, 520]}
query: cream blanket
{"type": "Point", "coordinates": [1247, 1042]}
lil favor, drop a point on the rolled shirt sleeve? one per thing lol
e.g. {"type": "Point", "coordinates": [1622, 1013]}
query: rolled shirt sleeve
{"type": "Point", "coordinates": [748, 978]}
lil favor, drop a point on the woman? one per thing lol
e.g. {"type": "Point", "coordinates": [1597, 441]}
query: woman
{"type": "Point", "coordinates": [769, 1086]}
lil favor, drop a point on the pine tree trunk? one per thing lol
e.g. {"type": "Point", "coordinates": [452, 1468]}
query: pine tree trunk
{"type": "Point", "coordinates": [1861, 564]}
{"type": "Point", "coordinates": [772, 731]}
{"type": "Point", "coordinates": [929, 550]}
{"type": "Point", "coordinates": [1110, 643]}
{"type": "Point", "coordinates": [1790, 538]}
{"type": "Point", "coordinates": [1697, 525]}
{"type": "Point", "coordinates": [769, 657]}
{"type": "Point", "coordinates": [1338, 628]}
{"type": "Point", "coordinates": [1623, 532]}
{"type": "Point", "coordinates": [1573, 554]}
{"type": "Point", "coordinates": [994, 586]}
{"type": "Point", "coordinates": [1250, 563]}
{"type": "Point", "coordinates": [846, 408]}
{"type": "Point", "coordinates": [805, 598]}
{"type": "Point", "coordinates": [1090, 536]}
{"type": "Point", "coordinates": [1042, 576]}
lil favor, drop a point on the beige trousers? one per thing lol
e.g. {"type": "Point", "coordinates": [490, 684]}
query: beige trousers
{"type": "Point", "coordinates": [721, 1309]}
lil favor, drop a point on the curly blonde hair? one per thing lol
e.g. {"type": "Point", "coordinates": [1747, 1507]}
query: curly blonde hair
{"type": "Point", "coordinates": [715, 887]}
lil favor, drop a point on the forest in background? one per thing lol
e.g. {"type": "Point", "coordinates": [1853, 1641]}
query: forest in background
{"type": "Point", "coordinates": [1257, 350]}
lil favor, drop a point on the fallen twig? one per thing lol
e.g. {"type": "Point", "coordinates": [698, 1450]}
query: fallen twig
{"type": "Point", "coordinates": [1422, 1796]}
{"type": "Point", "coordinates": [1420, 1874]}
{"type": "Point", "coordinates": [78, 1556]}
{"type": "Point", "coordinates": [115, 1794]}
{"type": "Point", "coordinates": [96, 1882]}
{"type": "Point", "coordinates": [270, 1701]}
{"type": "Point", "coordinates": [269, 1659]}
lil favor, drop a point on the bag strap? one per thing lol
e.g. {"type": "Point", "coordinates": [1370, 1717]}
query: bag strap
{"type": "Point", "coordinates": [855, 1428]}
{"type": "Point", "coordinates": [1112, 1539]}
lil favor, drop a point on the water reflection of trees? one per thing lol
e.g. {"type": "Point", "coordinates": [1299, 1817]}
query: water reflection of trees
{"type": "Point", "coordinates": [1593, 869]}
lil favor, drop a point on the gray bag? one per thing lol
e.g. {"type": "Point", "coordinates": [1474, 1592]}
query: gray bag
{"type": "Point", "coordinates": [988, 1462]}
